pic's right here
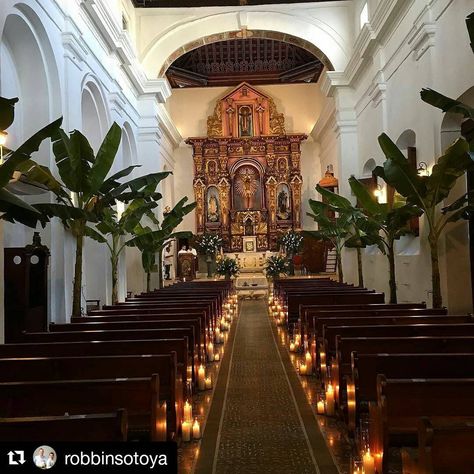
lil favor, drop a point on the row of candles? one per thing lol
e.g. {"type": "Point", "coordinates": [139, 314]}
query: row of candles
{"type": "Point", "coordinates": [368, 464]}
{"type": "Point", "coordinates": [191, 429]}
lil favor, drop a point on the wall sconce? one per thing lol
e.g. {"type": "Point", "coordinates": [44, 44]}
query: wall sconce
{"type": "Point", "coordinates": [378, 191]}
{"type": "Point", "coordinates": [3, 140]}
{"type": "Point", "coordinates": [422, 169]}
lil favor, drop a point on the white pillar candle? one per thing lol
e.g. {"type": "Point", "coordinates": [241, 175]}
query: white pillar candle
{"type": "Point", "coordinates": [208, 383]}
{"type": "Point", "coordinates": [217, 357]}
{"type": "Point", "coordinates": [188, 411]}
{"type": "Point", "coordinates": [369, 463]}
{"type": "Point", "coordinates": [330, 407]}
{"type": "Point", "coordinates": [196, 430]}
{"type": "Point", "coordinates": [292, 346]}
{"type": "Point", "coordinates": [303, 369]}
{"type": "Point", "coordinates": [186, 431]}
{"type": "Point", "coordinates": [201, 378]}
{"type": "Point", "coordinates": [217, 335]}
{"type": "Point", "coordinates": [320, 407]}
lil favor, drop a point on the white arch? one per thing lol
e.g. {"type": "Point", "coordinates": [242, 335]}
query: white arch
{"type": "Point", "coordinates": [315, 31]}
{"type": "Point", "coordinates": [129, 146]}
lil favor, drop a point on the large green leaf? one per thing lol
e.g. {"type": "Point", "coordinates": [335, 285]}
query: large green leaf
{"type": "Point", "coordinates": [105, 158]}
{"type": "Point", "coordinates": [446, 104]}
{"type": "Point", "coordinates": [398, 172]}
{"type": "Point", "coordinates": [368, 202]}
{"type": "Point", "coordinates": [334, 199]}
{"type": "Point", "coordinates": [24, 152]}
{"type": "Point", "coordinates": [113, 181]}
{"type": "Point", "coordinates": [7, 112]}
{"type": "Point", "coordinates": [93, 234]}
{"type": "Point", "coordinates": [63, 212]}
{"type": "Point", "coordinates": [17, 210]}
{"type": "Point", "coordinates": [453, 164]}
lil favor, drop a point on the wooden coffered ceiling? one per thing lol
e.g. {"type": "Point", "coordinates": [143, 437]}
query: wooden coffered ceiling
{"type": "Point", "coordinates": [254, 60]}
{"type": "Point", "coordinates": [210, 3]}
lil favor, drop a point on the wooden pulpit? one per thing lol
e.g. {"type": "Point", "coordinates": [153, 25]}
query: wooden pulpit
{"type": "Point", "coordinates": [186, 266]}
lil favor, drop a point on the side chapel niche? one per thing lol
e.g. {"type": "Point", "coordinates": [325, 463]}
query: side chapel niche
{"type": "Point", "coordinates": [247, 179]}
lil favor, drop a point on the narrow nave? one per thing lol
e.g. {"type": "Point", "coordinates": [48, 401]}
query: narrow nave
{"type": "Point", "coordinates": [256, 422]}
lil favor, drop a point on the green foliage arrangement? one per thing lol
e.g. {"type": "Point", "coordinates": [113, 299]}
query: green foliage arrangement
{"type": "Point", "coordinates": [227, 267]}
{"type": "Point", "coordinates": [209, 243]}
{"type": "Point", "coordinates": [275, 266]}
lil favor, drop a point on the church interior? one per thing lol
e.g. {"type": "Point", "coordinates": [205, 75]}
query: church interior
{"type": "Point", "coordinates": [240, 230]}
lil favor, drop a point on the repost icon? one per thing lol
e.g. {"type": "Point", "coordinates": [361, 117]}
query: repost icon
{"type": "Point", "coordinates": [16, 458]}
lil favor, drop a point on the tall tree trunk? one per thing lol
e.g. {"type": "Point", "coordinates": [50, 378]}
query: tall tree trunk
{"type": "Point", "coordinates": [392, 281]}
{"type": "Point", "coordinates": [148, 278]}
{"type": "Point", "coordinates": [359, 267]}
{"type": "Point", "coordinates": [114, 262]}
{"type": "Point", "coordinates": [77, 285]}
{"type": "Point", "coordinates": [435, 277]}
{"type": "Point", "coordinates": [160, 270]}
{"type": "Point", "coordinates": [339, 266]}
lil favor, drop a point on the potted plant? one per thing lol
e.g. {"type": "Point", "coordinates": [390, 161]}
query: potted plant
{"type": "Point", "coordinates": [275, 266]}
{"type": "Point", "coordinates": [227, 267]}
{"type": "Point", "coordinates": [291, 241]}
{"type": "Point", "coordinates": [209, 244]}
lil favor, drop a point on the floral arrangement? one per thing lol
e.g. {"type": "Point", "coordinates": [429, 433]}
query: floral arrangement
{"type": "Point", "coordinates": [227, 267]}
{"type": "Point", "coordinates": [209, 244]}
{"type": "Point", "coordinates": [292, 241]}
{"type": "Point", "coordinates": [276, 265]}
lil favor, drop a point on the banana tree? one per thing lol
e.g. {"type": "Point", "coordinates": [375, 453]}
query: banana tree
{"type": "Point", "coordinates": [13, 208]}
{"type": "Point", "coordinates": [390, 223]}
{"type": "Point", "coordinates": [334, 230]}
{"type": "Point", "coordinates": [426, 193]}
{"type": "Point", "coordinates": [112, 229]}
{"type": "Point", "coordinates": [84, 192]}
{"type": "Point", "coordinates": [151, 242]}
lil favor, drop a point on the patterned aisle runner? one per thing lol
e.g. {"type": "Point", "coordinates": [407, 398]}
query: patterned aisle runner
{"type": "Point", "coordinates": [260, 428]}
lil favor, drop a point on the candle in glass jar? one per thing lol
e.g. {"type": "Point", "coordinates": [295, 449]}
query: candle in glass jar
{"type": "Point", "coordinates": [309, 361]}
{"type": "Point", "coordinates": [188, 411]}
{"type": "Point", "coordinates": [186, 430]}
{"type": "Point", "coordinates": [369, 463]}
{"type": "Point", "coordinates": [330, 406]}
{"type": "Point", "coordinates": [201, 378]}
{"type": "Point", "coordinates": [217, 357]}
{"type": "Point", "coordinates": [208, 383]}
{"type": "Point", "coordinates": [303, 369]}
{"type": "Point", "coordinates": [210, 351]}
{"type": "Point", "coordinates": [292, 346]}
{"type": "Point", "coordinates": [320, 407]}
{"type": "Point", "coordinates": [196, 429]}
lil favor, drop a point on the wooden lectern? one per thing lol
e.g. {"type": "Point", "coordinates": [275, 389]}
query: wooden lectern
{"type": "Point", "coordinates": [186, 266]}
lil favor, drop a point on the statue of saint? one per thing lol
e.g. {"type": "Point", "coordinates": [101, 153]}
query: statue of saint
{"type": "Point", "coordinates": [213, 209]}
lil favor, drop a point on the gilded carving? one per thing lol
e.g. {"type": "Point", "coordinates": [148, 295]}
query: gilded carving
{"type": "Point", "coordinates": [277, 120]}
{"type": "Point", "coordinates": [214, 122]}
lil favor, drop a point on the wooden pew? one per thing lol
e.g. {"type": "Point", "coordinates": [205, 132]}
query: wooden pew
{"type": "Point", "coordinates": [139, 396]}
{"type": "Point", "coordinates": [110, 427]}
{"type": "Point", "coordinates": [361, 385]}
{"type": "Point", "coordinates": [402, 402]}
{"type": "Point", "coordinates": [393, 345]}
{"type": "Point", "coordinates": [444, 447]}
{"type": "Point", "coordinates": [100, 348]}
{"type": "Point", "coordinates": [121, 335]}
{"type": "Point", "coordinates": [100, 367]}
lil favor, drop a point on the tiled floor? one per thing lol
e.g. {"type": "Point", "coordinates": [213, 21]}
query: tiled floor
{"type": "Point", "coordinates": [260, 427]}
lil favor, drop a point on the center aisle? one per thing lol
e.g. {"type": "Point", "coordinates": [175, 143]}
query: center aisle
{"type": "Point", "coordinates": [255, 424]}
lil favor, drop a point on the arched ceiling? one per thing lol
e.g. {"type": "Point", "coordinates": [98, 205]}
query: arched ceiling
{"type": "Point", "coordinates": [254, 60]}
{"type": "Point", "coordinates": [211, 3]}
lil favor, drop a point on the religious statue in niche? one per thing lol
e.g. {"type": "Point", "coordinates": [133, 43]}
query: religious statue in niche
{"type": "Point", "coordinates": [283, 202]}
{"type": "Point", "coordinates": [212, 204]}
{"type": "Point", "coordinates": [247, 188]}
{"type": "Point", "coordinates": [245, 121]}
{"type": "Point", "coordinates": [249, 227]}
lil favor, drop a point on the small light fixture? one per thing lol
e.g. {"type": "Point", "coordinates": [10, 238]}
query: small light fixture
{"type": "Point", "coordinates": [422, 169]}
{"type": "Point", "coordinates": [3, 140]}
{"type": "Point", "coordinates": [378, 191]}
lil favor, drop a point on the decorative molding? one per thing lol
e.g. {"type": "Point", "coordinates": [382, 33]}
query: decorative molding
{"type": "Point", "coordinates": [422, 38]}
{"type": "Point", "coordinates": [168, 127]}
{"type": "Point", "coordinates": [377, 89]}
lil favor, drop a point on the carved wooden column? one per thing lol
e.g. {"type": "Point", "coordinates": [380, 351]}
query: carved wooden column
{"type": "Point", "coordinates": [199, 191]}
{"type": "Point", "coordinates": [295, 185]}
{"type": "Point", "coordinates": [224, 195]}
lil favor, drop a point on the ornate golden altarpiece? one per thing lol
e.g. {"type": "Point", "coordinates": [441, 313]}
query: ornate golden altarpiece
{"type": "Point", "coordinates": [247, 179]}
